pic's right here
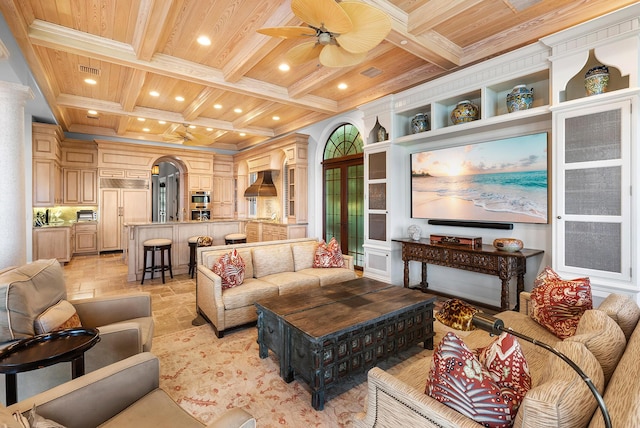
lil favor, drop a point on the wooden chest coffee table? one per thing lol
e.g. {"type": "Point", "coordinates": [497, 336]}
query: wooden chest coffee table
{"type": "Point", "coordinates": [330, 332]}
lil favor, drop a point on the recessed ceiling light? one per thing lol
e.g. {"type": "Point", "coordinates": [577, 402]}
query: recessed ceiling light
{"type": "Point", "coordinates": [204, 40]}
{"type": "Point", "coordinates": [162, 122]}
{"type": "Point", "coordinates": [237, 110]}
{"type": "Point", "coordinates": [179, 98]}
{"type": "Point", "coordinates": [209, 129]}
{"type": "Point", "coordinates": [141, 119]}
{"type": "Point", "coordinates": [284, 67]}
{"type": "Point", "coordinates": [192, 126]}
{"type": "Point", "coordinates": [90, 81]}
{"type": "Point", "coordinates": [154, 93]}
{"type": "Point", "coordinates": [242, 134]}
{"type": "Point", "coordinates": [276, 118]}
{"type": "Point", "coordinates": [145, 129]}
{"type": "Point", "coordinates": [342, 86]}
{"type": "Point", "coordinates": [93, 112]}
{"type": "Point", "coordinates": [217, 106]}
{"type": "Point", "coordinates": [403, 42]}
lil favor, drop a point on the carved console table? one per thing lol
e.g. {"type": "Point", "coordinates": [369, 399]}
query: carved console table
{"type": "Point", "coordinates": [485, 260]}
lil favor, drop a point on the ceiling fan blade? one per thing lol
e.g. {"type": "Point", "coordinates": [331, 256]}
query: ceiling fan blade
{"type": "Point", "coordinates": [303, 52]}
{"type": "Point", "coordinates": [322, 13]}
{"type": "Point", "coordinates": [288, 32]}
{"type": "Point", "coordinates": [335, 56]}
{"type": "Point", "coordinates": [370, 27]}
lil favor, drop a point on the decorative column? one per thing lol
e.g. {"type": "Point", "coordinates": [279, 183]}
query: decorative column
{"type": "Point", "coordinates": [13, 195]}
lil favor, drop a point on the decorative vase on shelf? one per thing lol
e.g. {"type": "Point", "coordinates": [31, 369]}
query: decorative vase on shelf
{"type": "Point", "coordinates": [465, 111]}
{"type": "Point", "coordinates": [596, 80]}
{"type": "Point", "coordinates": [419, 123]}
{"type": "Point", "coordinates": [520, 98]}
{"type": "Point", "coordinates": [414, 232]}
{"type": "Point", "coordinates": [510, 245]}
{"type": "Point", "coordinates": [381, 133]}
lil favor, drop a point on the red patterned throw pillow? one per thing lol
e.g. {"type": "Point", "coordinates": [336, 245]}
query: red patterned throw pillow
{"type": "Point", "coordinates": [459, 380]}
{"type": "Point", "coordinates": [506, 363]}
{"type": "Point", "coordinates": [328, 255]}
{"type": "Point", "coordinates": [230, 268]}
{"type": "Point", "coordinates": [558, 304]}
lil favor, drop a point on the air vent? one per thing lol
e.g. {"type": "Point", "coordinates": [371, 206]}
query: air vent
{"type": "Point", "coordinates": [93, 117]}
{"type": "Point", "coordinates": [372, 72]}
{"type": "Point", "coordinates": [90, 70]}
{"type": "Point", "coordinates": [520, 5]}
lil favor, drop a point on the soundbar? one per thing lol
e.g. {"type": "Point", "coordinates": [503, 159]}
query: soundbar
{"type": "Point", "coordinates": [480, 224]}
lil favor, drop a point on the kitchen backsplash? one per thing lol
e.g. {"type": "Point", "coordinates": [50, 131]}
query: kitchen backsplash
{"type": "Point", "coordinates": [61, 214]}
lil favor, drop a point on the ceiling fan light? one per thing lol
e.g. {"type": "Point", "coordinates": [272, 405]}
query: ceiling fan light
{"type": "Point", "coordinates": [324, 39]}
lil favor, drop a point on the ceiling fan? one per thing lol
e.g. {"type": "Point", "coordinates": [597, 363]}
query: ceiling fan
{"type": "Point", "coordinates": [188, 137]}
{"type": "Point", "coordinates": [342, 33]}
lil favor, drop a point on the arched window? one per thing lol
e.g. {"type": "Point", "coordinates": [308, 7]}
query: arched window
{"type": "Point", "coordinates": [343, 201]}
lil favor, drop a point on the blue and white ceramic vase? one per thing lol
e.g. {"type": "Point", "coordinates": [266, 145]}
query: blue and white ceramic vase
{"type": "Point", "coordinates": [419, 123]}
{"type": "Point", "coordinates": [596, 80]}
{"type": "Point", "coordinates": [465, 111]}
{"type": "Point", "coordinates": [520, 98]}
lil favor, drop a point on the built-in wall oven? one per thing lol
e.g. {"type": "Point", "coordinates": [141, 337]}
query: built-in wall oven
{"type": "Point", "coordinates": [200, 204]}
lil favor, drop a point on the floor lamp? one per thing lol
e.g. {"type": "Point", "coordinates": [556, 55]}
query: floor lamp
{"type": "Point", "coordinates": [495, 326]}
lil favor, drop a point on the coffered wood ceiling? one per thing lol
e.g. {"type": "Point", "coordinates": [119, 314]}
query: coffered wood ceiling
{"type": "Point", "coordinates": [133, 47]}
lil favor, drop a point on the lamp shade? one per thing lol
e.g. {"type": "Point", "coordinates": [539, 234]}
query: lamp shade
{"type": "Point", "coordinates": [155, 170]}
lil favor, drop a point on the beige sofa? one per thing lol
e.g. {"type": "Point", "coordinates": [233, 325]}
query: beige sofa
{"type": "Point", "coordinates": [123, 394]}
{"type": "Point", "coordinates": [400, 401]}
{"type": "Point", "coordinates": [125, 322]}
{"type": "Point", "coordinates": [271, 268]}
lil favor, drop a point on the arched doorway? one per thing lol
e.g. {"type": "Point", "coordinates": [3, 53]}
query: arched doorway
{"type": "Point", "coordinates": [343, 190]}
{"type": "Point", "coordinates": [166, 190]}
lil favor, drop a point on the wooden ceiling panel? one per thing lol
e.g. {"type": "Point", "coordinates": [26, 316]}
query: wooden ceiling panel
{"type": "Point", "coordinates": [72, 70]}
{"type": "Point", "coordinates": [168, 89]}
{"type": "Point", "coordinates": [132, 47]}
{"type": "Point", "coordinates": [110, 19]}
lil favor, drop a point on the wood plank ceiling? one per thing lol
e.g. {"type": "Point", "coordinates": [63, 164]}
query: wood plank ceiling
{"type": "Point", "coordinates": [133, 47]}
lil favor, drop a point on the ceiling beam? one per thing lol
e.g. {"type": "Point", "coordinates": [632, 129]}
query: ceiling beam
{"type": "Point", "coordinates": [429, 46]}
{"type": "Point", "coordinates": [255, 47]}
{"type": "Point", "coordinates": [132, 86]}
{"type": "Point", "coordinates": [84, 44]}
{"type": "Point", "coordinates": [151, 19]}
{"type": "Point", "coordinates": [73, 101]}
{"type": "Point", "coordinates": [433, 12]}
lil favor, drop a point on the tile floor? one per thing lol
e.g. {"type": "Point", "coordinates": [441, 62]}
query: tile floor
{"type": "Point", "coordinates": [173, 303]}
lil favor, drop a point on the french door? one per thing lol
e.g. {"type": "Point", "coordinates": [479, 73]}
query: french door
{"type": "Point", "coordinates": [343, 204]}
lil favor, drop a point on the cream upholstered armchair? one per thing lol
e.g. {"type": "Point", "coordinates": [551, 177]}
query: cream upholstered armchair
{"type": "Point", "coordinates": [33, 300]}
{"type": "Point", "coordinates": [124, 394]}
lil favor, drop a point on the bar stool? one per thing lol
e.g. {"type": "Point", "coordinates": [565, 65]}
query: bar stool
{"type": "Point", "coordinates": [151, 246]}
{"type": "Point", "coordinates": [194, 243]}
{"type": "Point", "coordinates": [235, 238]}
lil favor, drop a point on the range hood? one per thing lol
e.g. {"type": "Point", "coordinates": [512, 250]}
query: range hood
{"type": "Point", "coordinates": [263, 186]}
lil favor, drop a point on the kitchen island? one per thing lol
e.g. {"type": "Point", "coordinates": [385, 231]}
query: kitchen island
{"type": "Point", "coordinates": [179, 232]}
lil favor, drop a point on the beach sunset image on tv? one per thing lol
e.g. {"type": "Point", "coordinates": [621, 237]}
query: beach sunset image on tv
{"type": "Point", "coordinates": [503, 180]}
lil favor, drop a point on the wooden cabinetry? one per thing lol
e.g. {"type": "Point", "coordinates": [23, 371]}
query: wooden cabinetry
{"type": "Point", "coordinates": [80, 186]}
{"type": "Point", "coordinates": [117, 207]}
{"type": "Point", "coordinates": [85, 238]}
{"type": "Point", "coordinates": [222, 197]}
{"type": "Point", "coordinates": [200, 182]}
{"type": "Point", "coordinates": [47, 183]}
{"type": "Point", "coordinates": [258, 231]}
{"type": "Point", "coordinates": [52, 243]}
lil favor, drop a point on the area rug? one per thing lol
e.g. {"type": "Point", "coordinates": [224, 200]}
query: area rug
{"type": "Point", "coordinates": [207, 375]}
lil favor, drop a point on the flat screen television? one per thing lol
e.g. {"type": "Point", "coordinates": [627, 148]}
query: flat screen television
{"type": "Point", "coordinates": [503, 180]}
